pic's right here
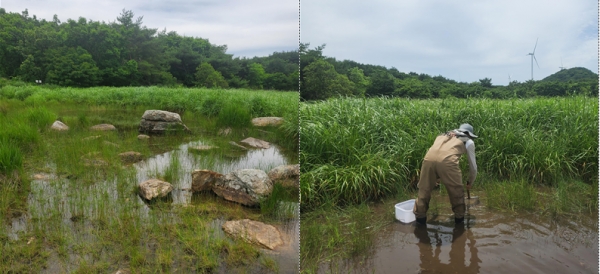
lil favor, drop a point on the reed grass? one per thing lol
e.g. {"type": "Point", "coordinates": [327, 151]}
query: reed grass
{"type": "Point", "coordinates": [330, 233]}
{"type": "Point", "coordinates": [364, 149]}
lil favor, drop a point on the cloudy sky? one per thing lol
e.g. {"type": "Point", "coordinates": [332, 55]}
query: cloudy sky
{"type": "Point", "coordinates": [248, 28]}
{"type": "Point", "coordinates": [461, 40]}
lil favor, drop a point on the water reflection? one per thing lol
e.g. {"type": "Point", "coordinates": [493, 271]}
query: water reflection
{"type": "Point", "coordinates": [460, 240]}
{"type": "Point", "coordinates": [182, 161]}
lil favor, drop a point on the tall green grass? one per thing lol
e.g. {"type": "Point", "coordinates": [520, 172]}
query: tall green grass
{"type": "Point", "coordinates": [354, 150]}
{"type": "Point", "coordinates": [229, 108]}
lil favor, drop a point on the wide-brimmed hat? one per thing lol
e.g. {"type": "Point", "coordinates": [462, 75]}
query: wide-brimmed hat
{"type": "Point", "coordinates": [466, 128]}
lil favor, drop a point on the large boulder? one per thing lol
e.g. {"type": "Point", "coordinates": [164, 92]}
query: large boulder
{"type": "Point", "coordinates": [160, 121]}
{"type": "Point", "coordinates": [244, 186]}
{"type": "Point", "coordinates": [267, 121]}
{"type": "Point", "coordinates": [255, 143]}
{"type": "Point", "coordinates": [286, 175]}
{"type": "Point", "coordinates": [203, 180]}
{"type": "Point", "coordinates": [59, 126]}
{"type": "Point", "coordinates": [154, 188]}
{"type": "Point", "coordinates": [254, 232]}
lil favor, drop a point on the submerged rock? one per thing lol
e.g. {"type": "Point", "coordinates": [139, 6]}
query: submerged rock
{"type": "Point", "coordinates": [160, 121]}
{"type": "Point", "coordinates": [267, 121]}
{"type": "Point", "coordinates": [286, 175]}
{"type": "Point", "coordinates": [59, 126]}
{"type": "Point", "coordinates": [91, 138]}
{"type": "Point", "coordinates": [256, 143]}
{"type": "Point", "coordinates": [224, 131]}
{"type": "Point", "coordinates": [110, 144]}
{"type": "Point", "coordinates": [254, 232]}
{"type": "Point", "coordinates": [244, 186]}
{"type": "Point", "coordinates": [154, 188]}
{"type": "Point", "coordinates": [201, 148]}
{"type": "Point", "coordinates": [237, 145]}
{"type": "Point", "coordinates": [131, 157]}
{"type": "Point", "coordinates": [204, 179]}
{"type": "Point", "coordinates": [103, 127]}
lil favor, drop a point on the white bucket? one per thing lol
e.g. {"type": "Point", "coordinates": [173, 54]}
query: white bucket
{"type": "Point", "coordinates": [404, 211]}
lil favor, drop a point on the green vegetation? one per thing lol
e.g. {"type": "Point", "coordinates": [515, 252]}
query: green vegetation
{"type": "Point", "coordinates": [360, 156]}
{"type": "Point", "coordinates": [124, 52]}
{"type": "Point", "coordinates": [572, 74]}
{"type": "Point", "coordinates": [325, 77]}
{"type": "Point", "coordinates": [88, 202]}
{"type": "Point", "coordinates": [355, 150]}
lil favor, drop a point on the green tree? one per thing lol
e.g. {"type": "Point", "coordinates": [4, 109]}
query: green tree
{"type": "Point", "coordinates": [486, 82]}
{"type": "Point", "coordinates": [207, 76]}
{"type": "Point", "coordinates": [382, 83]}
{"type": "Point", "coordinates": [361, 82]}
{"type": "Point", "coordinates": [412, 88]}
{"type": "Point", "coordinates": [321, 81]}
{"type": "Point", "coordinates": [256, 76]}
{"type": "Point", "coordinates": [28, 71]}
{"type": "Point", "coordinates": [71, 67]}
{"type": "Point", "coordinates": [279, 81]}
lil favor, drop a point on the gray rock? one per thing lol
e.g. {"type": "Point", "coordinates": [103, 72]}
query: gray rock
{"type": "Point", "coordinates": [267, 121]}
{"type": "Point", "coordinates": [161, 115]}
{"type": "Point", "coordinates": [143, 137]}
{"type": "Point", "coordinates": [203, 180]}
{"type": "Point", "coordinates": [254, 232]}
{"type": "Point", "coordinates": [244, 186]}
{"type": "Point", "coordinates": [59, 126]}
{"type": "Point", "coordinates": [154, 188]}
{"type": "Point", "coordinates": [255, 143]}
{"type": "Point", "coordinates": [286, 175]}
{"type": "Point", "coordinates": [160, 121]}
{"type": "Point", "coordinates": [103, 127]}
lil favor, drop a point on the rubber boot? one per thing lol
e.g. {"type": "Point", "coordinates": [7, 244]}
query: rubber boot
{"type": "Point", "coordinates": [459, 220]}
{"type": "Point", "coordinates": [422, 221]}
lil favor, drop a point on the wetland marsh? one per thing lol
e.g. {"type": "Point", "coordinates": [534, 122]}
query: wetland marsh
{"type": "Point", "coordinates": [70, 204]}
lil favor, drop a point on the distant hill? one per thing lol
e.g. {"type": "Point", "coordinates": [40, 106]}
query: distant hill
{"type": "Point", "coordinates": [575, 74]}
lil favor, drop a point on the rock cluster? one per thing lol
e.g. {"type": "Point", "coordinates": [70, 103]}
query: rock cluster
{"type": "Point", "coordinates": [245, 186]}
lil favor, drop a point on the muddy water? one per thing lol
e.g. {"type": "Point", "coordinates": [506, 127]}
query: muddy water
{"type": "Point", "coordinates": [76, 204]}
{"type": "Point", "coordinates": [489, 242]}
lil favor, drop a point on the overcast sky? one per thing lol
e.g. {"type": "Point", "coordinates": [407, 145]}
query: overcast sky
{"type": "Point", "coordinates": [248, 28]}
{"type": "Point", "coordinates": [460, 40]}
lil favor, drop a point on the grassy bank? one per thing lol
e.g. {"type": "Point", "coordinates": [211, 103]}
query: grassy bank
{"type": "Point", "coordinates": [86, 216]}
{"type": "Point", "coordinates": [356, 150]}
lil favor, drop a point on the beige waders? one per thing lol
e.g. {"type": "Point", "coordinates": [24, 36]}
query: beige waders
{"type": "Point", "coordinates": [441, 162]}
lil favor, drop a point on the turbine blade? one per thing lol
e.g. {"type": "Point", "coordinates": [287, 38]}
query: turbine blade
{"type": "Point", "coordinates": [536, 40]}
{"type": "Point", "coordinates": [536, 61]}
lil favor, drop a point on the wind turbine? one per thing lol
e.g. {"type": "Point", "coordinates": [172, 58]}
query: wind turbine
{"type": "Point", "coordinates": [533, 57]}
{"type": "Point", "coordinates": [561, 65]}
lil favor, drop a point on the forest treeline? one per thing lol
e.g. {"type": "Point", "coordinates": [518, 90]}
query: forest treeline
{"type": "Point", "coordinates": [85, 53]}
{"type": "Point", "coordinates": [323, 77]}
